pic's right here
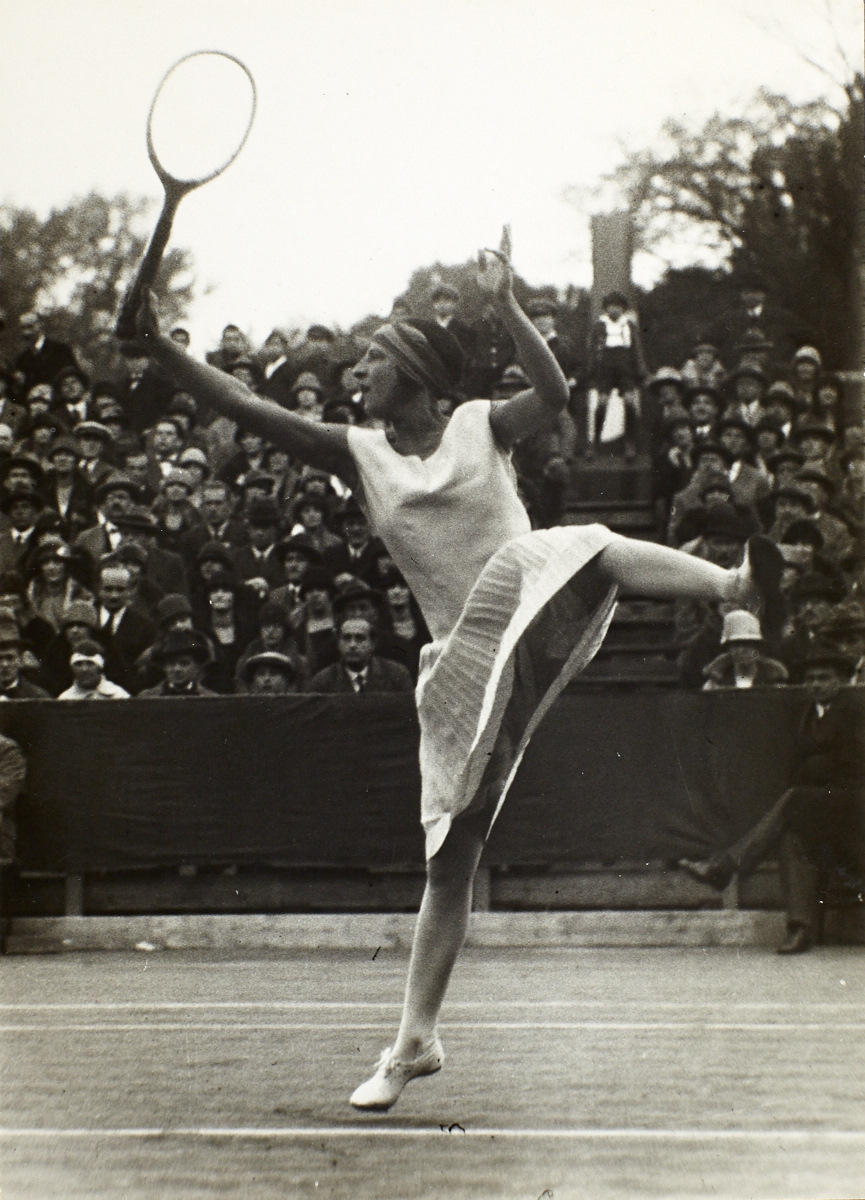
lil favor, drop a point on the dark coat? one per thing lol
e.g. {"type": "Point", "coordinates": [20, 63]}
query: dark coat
{"type": "Point", "coordinates": [41, 366]}
{"type": "Point", "coordinates": [384, 676]}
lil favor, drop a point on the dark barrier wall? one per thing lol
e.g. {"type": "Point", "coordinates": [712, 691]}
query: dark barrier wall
{"type": "Point", "coordinates": [333, 780]}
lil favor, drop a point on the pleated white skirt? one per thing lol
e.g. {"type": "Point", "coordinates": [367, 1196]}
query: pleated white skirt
{"type": "Point", "coordinates": [535, 617]}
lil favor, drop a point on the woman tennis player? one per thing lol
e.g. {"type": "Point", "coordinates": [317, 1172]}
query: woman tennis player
{"type": "Point", "coordinates": [514, 613]}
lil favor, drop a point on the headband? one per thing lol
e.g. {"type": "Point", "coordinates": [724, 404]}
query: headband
{"type": "Point", "coordinates": [91, 658]}
{"type": "Point", "coordinates": [413, 354]}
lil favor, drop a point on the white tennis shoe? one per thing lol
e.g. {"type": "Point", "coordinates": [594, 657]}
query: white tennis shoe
{"type": "Point", "coordinates": [391, 1075]}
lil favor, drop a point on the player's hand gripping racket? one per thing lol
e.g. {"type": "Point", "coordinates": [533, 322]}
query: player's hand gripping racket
{"type": "Point", "coordinates": [198, 123]}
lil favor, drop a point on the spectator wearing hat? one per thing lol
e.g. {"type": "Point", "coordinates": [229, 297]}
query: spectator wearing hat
{"type": "Point", "coordinates": [258, 563]}
{"type": "Point", "coordinates": [274, 637]}
{"type": "Point", "coordinates": [309, 513]}
{"type": "Point", "coordinates": [815, 441]}
{"type": "Point", "coordinates": [232, 346]}
{"type": "Point", "coordinates": [805, 371]}
{"type": "Point", "coordinates": [37, 434]}
{"type": "Point", "coordinates": [360, 670]}
{"type": "Point", "coordinates": [174, 511]}
{"type": "Point", "coordinates": [768, 441]}
{"type": "Point", "coordinates": [844, 631]}
{"type": "Point", "coordinates": [94, 451]}
{"type": "Point", "coordinates": [246, 371]}
{"type": "Point", "coordinates": [298, 556]}
{"type": "Point", "coordinates": [673, 464]}
{"type": "Point", "coordinates": [71, 386]}
{"type": "Point", "coordinates": [710, 459]}
{"type": "Point", "coordinates": [180, 336]}
{"type": "Point", "coordinates": [248, 456]}
{"type": "Point", "coordinates": [666, 394]}
{"type": "Point", "coordinates": [704, 367]}
{"type": "Point", "coordinates": [173, 611]}
{"type": "Point", "coordinates": [269, 673]}
{"type": "Point", "coordinates": [318, 355]}
{"type": "Point", "coordinates": [20, 506]}
{"type": "Point", "coordinates": [13, 684]}
{"type": "Point", "coordinates": [790, 503]}
{"type": "Point", "coordinates": [164, 569]}
{"type": "Point", "coordinates": [22, 471]}
{"type": "Point", "coordinates": [114, 496]}
{"type": "Point", "coordinates": [313, 622]}
{"type": "Point", "coordinates": [802, 543]}
{"type": "Point", "coordinates": [183, 656]}
{"type": "Point", "coordinates": [355, 554]}
{"type": "Point", "coordinates": [784, 466]}
{"type": "Point", "coordinates": [278, 369]}
{"type": "Point", "coordinates": [543, 311]}
{"type": "Point", "coordinates": [228, 626]}
{"type": "Point", "coordinates": [754, 350]}
{"type": "Point", "coordinates": [53, 583]}
{"type": "Point", "coordinates": [145, 392]}
{"type": "Point", "coordinates": [746, 388]}
{"type": "Point", "coordinates": [750, 485]}
{"type": "Point", "coordinates": [87, 664]}
{"type": "Point", "coordinates": [781, 403]}
{"type": "Point", "coordinates": [356, 599]}
{"type": "Point", "coordinates": [741, 663]}
{"type": "Point", "coordinates": [817, 822]}
{"type": "Point", "coordinates": [183, 410]}
{"type": "Point", "coordinates": [820, 486]}
{"type": "Point", "coordinates": [124, 630]}
{"type": "Point", "coordinates": [41, 358]}
{"type": "Point", "coordinates": [307, 396]}
{"type": "Point", "coordinates": [812, 600]}
{"type": "Point", "coordinates": [65, 489]}
{"type": "Point", "coordinates": [444, 300]}
{"type": "Point", "coordinates": [195, 463]}
{"type": "Point", "coordinates": [703, 405]}
{"type": "Point", "coordinates": [405, 620]}
{"type": "Point", "coordinates": [616, 362]}
{"type": "Point", "coordinates": [213, 558]}
{"type": "Point", "coordinates": [828, 404]}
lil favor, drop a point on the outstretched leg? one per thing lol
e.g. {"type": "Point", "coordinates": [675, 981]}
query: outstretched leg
{"type": "Point", "coordinates": [660, 571]}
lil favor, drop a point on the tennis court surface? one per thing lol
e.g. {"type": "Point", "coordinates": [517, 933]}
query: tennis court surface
{"type": "Point", "coordinates": [579, 1074]}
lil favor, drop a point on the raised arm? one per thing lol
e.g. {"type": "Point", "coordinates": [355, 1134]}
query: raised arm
{"type": "Point", "coordinates": [324, 446]}
{"type": "Point", "coordinates": [537, 408]}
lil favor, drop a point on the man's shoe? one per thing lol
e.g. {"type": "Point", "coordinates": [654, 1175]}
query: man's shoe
{"type": "Point", "coordinates": [391, 1075]}
{"type": "Point", "coordinates": [716, 872]}
{"type": "Point", "coordinates": [797, 941]}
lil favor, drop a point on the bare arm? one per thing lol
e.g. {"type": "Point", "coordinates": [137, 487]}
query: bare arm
{"type": "Point", "coordinates": [323, 446]}
{"type": "Point", "coordinates": [538, 408]}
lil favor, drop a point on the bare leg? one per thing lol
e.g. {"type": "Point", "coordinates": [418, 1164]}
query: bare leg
{"type": "Point", "coordinates": [654, 570]}
{"type": "Point", "coordinates": [439, 934]}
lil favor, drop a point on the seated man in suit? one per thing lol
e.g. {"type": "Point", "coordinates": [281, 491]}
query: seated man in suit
{"type": "Point", "coordinates": [359, 668]}
{"type": "Point", "coordinates": [818, 823]}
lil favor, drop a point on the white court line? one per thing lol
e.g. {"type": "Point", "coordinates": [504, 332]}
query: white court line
{"type": "Point", "coordinates": [843, 1136]}
{"type": "Point", "coordinates": [316, 1005]}
{"type": "Point", "coordinates": [346, 1026]}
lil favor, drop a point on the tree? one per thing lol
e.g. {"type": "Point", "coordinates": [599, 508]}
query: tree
{"type": "Point", "coordinates": [778, 190]}
{"type": "Point", "coordinates": [74, 265]}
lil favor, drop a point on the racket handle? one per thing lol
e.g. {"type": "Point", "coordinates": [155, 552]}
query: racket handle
{"type": "Point", "coordinates": [148, 269]}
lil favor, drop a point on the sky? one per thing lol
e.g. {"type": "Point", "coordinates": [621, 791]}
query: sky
{"type": "Point", "coordinates": [389, 134]}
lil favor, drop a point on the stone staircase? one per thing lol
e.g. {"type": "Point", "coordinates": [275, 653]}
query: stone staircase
{"type": "Point", "coordinates": [640, 647]}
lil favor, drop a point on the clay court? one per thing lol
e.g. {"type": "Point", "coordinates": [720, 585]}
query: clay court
{"type": "Point", "coordinates": [571, 1073]}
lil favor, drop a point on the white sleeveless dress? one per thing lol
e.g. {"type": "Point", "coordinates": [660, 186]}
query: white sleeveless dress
{"type": "Point", "coordinates": [515, 613]}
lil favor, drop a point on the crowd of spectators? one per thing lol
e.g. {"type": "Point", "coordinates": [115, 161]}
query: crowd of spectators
{"type": "Point", "coordinates": [149, 547]}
